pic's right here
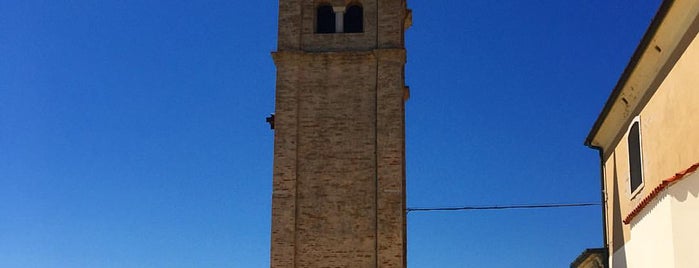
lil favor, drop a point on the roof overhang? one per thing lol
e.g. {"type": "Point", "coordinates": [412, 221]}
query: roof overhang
{"type": "Point", "coordinates": [668, 36]}
{"type": "Point", "coordinates": [588, 254]}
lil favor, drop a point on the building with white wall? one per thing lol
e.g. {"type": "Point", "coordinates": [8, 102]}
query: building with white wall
{"type": "Point", "coordinates": [648, 139]}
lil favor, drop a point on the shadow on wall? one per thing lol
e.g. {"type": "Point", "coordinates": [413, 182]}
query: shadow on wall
{"type": "Point", "coordinates": [617, 244]}
{"type": "Point", "coordinates": [686, 187]}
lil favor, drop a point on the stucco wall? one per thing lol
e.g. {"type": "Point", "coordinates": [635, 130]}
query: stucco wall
{"type": "Point", "coordinates": [651, 243]}
{"type": "Point", "coordinates": [670, 123]}
{"type": "Point", "coordinates": [670, 141]}
{"type": "Point", "coordinates": [665, 233]}
{"type": "Point", "coordinates": [685, 221]}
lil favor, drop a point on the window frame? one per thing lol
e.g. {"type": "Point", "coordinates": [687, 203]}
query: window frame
{"type": "Point", "coordinates": [635, 191]}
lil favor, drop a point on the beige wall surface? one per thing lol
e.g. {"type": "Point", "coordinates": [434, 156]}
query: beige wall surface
{"type": "Point", "coordinates": [664, 43]}
{"type": "Point", "coordinates": [617, 232]}
{"type": "Point", "coordinates": [669, 137]}
{"type": "Point", "coordinates": [670, 123]}
{"type": "Point", "coordinates": [669, 127]}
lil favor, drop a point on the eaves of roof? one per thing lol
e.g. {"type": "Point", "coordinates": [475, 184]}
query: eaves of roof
{"type": "Point", "coordinates": [642, 47]}
{"type": "Point", "coordinates": [586, 254]}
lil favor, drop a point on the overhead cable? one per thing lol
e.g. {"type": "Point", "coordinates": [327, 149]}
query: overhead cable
{"type": "Point", "coordinates": [533, 206]}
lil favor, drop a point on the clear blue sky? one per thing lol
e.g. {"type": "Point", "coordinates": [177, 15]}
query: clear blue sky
{"type": "Point", "coordinates": [132, 133]}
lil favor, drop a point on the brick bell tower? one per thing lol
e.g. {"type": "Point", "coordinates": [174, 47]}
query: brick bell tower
{"type": "Point", "coordinates": [339, 145]}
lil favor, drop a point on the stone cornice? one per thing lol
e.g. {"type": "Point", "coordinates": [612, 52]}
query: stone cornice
{"type": "Point", "coordinates": [397, 55]}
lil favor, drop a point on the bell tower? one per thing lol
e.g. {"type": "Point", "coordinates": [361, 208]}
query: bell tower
{"type": "Point", "coordinates": [339, 144]}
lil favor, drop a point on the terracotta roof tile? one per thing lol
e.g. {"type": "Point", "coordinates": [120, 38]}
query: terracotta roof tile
{"type": "Point", "coordinates": [656, 191]}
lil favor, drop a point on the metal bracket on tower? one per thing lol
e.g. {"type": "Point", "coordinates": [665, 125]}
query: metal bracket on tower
{"type": "Point", "coordinates": [270, 121]}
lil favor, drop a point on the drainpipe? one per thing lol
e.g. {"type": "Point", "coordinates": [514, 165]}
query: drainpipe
{"type": "Point", "coordinates": [603, 201]}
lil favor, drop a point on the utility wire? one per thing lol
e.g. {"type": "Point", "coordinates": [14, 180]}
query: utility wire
{"type": "Point", "coordinates": [535, 206]}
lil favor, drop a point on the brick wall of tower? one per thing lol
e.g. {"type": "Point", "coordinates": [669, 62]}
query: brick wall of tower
{"type": "Point", "coordinates": [339, 159]}
{"type": "Point", "coordinates": [391, 157]}
{"type": "Point", "coordinates": [339, 135]}
{"type": "Point", "coordinates": [285, 162]}
{"type": "Point", "coordinates": [336, 200]}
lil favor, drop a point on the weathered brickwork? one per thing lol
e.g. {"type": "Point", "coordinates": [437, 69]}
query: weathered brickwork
{"type": "Point", "coordinates": [339, 159]}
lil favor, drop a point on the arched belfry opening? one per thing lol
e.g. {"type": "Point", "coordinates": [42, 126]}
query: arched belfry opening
{"type": "Point", "coordinates": [325, 19]}
{"type": "Point", "coordinates": [354, 19]}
